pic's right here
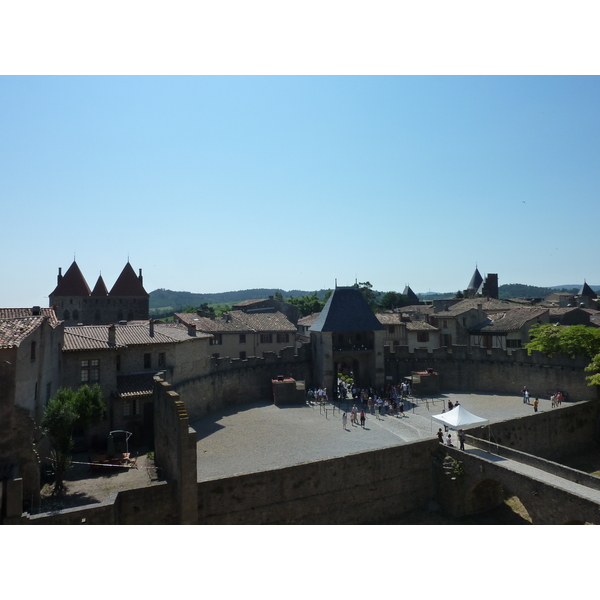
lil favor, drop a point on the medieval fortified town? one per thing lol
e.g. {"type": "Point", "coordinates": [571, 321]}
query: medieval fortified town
{"type": "Point", "coordinates": [262, 415]}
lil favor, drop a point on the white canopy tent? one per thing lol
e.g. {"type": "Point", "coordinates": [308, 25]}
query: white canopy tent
{"type": "Point", "coordinates": [459, 418]}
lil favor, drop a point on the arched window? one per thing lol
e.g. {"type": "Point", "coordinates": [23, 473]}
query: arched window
{"type": "Point", "coordinates": [66, 315]}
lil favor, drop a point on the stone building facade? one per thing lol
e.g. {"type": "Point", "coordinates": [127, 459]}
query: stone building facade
{"type": "Point", "coordinates": [123, 359]}
{"type": "Point", "coordinates": [347, 338]}
{"type": "Point", "coordinates": [75, 303]}
{"type": "Point", "coordinates": [30, 374]}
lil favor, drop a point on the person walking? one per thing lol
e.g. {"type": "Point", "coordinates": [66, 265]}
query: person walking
{"type": "Point", "coordinates": [344, 421]}
{"type": "Point", "coordinates": [461, 437]}
{"type": "Point", "coordinates": [440, 435]}
{"type": "Point", "coordinates": [362, 418]}
{"type": "Point", "coordinates": [402, 408]}
{"type": "Point", "coordinates": [535, 405]}
{"type": "Point", "coordinates": [525, 394]}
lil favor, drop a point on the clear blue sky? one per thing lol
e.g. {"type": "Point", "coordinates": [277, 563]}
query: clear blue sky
{"type": "Point", "coordinates": [213, 184]}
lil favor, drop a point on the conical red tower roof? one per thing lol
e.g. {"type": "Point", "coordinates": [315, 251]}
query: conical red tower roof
{"type": "Point", "coordinates": [100, 288]}
{"type": "Point", "coordinates": [128, 284]}
{"type": "Point", "coordinates": [72, 283]}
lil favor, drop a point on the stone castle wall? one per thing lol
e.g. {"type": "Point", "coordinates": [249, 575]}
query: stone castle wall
{"type": "Point", "coordinates": [367, 487]}
{"type": "Point", "coordinates": [233, 381]}
{"type": "Point", "coordinates": [494, 371]}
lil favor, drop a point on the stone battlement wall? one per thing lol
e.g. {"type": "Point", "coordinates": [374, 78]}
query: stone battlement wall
{"type": "Point", "coordinates": [233, 381]}
{"type": "Point", "coordinates": [494, 371]}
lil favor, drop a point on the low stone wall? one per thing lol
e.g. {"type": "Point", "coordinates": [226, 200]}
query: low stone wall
{"type": "Point", "coordinates": [368, 487]}
{"type": "Point", "coordinates": [560, 432]}
{"type": "Point", "coordinates": [154, 505]}
{"type": "Point", "coordinates": [548, 466]}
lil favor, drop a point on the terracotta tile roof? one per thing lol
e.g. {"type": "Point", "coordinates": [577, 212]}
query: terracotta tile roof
{"type": "Point", "coordinates": [512, 320]}
{"type": "Point", "coordinates": [420, 326]}
{"type": "Point", "coordinates": [238, 321]}
{"type": "Point", "coordinates": [490, 305]}
{"type": "Point", "coordinates": [453, 311]}
{"type": "Point", "coordinates": [14, 331]}
{"type": "Point", "coordinates": [422, 309]}
{"type": "Point", "coordinates": [249, 302]}
{"type": "Point", "coordinates": [72, 283]}
{"type": "Point", "coordinates": [95, 337]}
{"type": "Point", "coordinates": [389, 318]}
{"type": "Point", "coordinates": [309, 319]}
{"type": "Point", "coordinates": [14, 313]}
{"type": "Point", "coordinates": [140, 384]}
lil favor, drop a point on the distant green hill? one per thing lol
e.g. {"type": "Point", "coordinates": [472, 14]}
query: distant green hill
{"type": "Point", "coordinates": [164, 300]}
{"type": "Point", "coordinates": [508, 290]}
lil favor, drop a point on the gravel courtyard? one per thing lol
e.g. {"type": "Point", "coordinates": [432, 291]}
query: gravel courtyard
{"type": "Point", "coordinates": [261, 436]}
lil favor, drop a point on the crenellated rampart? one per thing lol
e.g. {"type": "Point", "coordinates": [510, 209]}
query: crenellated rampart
{"type": "Point", "coordinates": [494, 371]}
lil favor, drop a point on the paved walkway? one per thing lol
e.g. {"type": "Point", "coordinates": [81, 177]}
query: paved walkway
{"type": "Point", "coordinates": [538, 474]}
{"type": "Point", "coordinates": [261, 436]}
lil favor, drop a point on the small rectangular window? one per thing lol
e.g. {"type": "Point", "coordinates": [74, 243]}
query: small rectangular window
{"type": "Point", "coordinates": [161, 359]}
{"type": "Point", "coordinates": [283, 338]}
{"type": "Point", "coordinates": [266, 338]}
{"type": "Point", "coordinates": [242, 356]}
{"type": "Point", "coordinates": [242, 338]}
{"type": "Point", "coordinates": [147, 361]}
{"type": "Point", "coordinates": [32, 350]}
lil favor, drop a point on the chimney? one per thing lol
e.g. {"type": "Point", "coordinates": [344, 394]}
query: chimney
{"type": "Point", "coordinates": [141, 278]}
{"type": "Point", "coordinates": [151, 324]}
{"type": "Point", "coordinates": [59, 274]}
{"type": "Point", "coordinates": [192, 329]}
{"type": "Point", "coordinates": [112, 334]}
{"type": "Point", "coordinates": [36, 311]}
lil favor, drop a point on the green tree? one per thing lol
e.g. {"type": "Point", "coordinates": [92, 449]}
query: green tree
{"type": "Point", "coordinates": [372, 298]}
{"type": "Point", "coordinates": [307, 304]}
{"type": "Point", "coordinates": [594, 368]}
{"type": "Point", "coordinates": [573, 340]}
{"type": "Point", "coordinates": [391, 300]}
{"type": "Point", "coordinates": [64, 413]}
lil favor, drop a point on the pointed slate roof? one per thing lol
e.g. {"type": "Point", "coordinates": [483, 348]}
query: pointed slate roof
{"type": "Point", "coordinates": [414, 299]}
{"type": "Point", "coordinates": [100, 288]}
{"type": "Point", "coordinates": [128, 284]}
{"type": "Point", "coordinates": [586, 290]}
{"type": "Point", "coordinates": [72, 283]}
{"type": "Point", "coordinates": [347, 310]}
{"type": "Point", "coordinates": [476, 281]}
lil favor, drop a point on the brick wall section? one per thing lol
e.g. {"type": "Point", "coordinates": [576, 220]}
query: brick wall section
{"type": "Point", "coordinates": [175, 448]}
{"type": "Point", "coordinates": [494, 371]}
{"type": "Point", "coordinates": [368, 487]}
